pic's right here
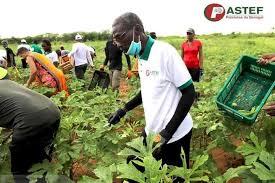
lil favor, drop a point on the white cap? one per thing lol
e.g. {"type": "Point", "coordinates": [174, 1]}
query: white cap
{"type": "Point", "coordinates": [23, 41]}
{"type": "Point", "coordinates": [78, 37]}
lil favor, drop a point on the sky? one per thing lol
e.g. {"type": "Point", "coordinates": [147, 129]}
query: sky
{"type": "Point", "coordinates": [165, 17]}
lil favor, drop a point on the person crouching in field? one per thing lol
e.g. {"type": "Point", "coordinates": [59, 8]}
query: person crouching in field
{"type": "Point", "coordinates": [167, 91]}
{"type": "Point", "coordinates": [43, 71]}
{"type": "Point", "coordinates": [192, 55]}
{"type": "Point", "coordinates": [34, 120]}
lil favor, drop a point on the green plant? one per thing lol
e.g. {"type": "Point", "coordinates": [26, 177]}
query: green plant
{"type": "Point", "coordinates": [154, 170]}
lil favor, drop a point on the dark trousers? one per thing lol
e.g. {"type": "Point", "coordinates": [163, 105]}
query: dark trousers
{"type": "Point", "coordinates": [33, 150]}
{"type": "Point", "coordinates": [171, 154]}
{"type": "Point", "coordinates": [195, 74]}
{"type": "Point", "coordinates": [80, 71]}
{"type": "Point", "coordinates": [24, 63]}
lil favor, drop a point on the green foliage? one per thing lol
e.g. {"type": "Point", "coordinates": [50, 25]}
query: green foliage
{"type": "Point", "coordinates": [265, 169]}
{"type": "Point", "coordinates": [252, 152]}
{"type": "Point", "coordinates": [262, 163]}
{"type": "Point", "coordinates": [48, 170]}
{"type": "Point", "coordinates": [193, 174]}
{"type": "Point", "coordinates": [231, 173]}
{"type": "Point", "coordinates": [154, 170]}
{"type": "Point", "coordinates": [83, 134]}
{"type": "Point", "coordinates": [66, 37]}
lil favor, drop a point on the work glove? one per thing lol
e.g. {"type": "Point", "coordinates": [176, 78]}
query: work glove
{"type": "Point", "coordinates": [201, 72]}
{"type": "Point", "coordinates": [163, 137]}
{"type": "Point", "coordinates": [115, 118]}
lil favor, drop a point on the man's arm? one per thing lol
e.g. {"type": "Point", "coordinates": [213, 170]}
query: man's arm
{"type": "Point", "coordinates": [115, 118]}
{"type": "Point", "coordinates": [268, 56]}
{"type": "Point", "coordinates": [184, 105]}
{"type": "Point", "coordinates": [74, 49]}
{"type": "Point", "coordinates": [136, 101]}
{"type": "Point", "coordinates": [55, 57]}
{"type": "Point", "coordinates": [33, 71]}
{"type": "Point", "coordinates": [11, 59]}
{"type": "Point", "coordinates": [128, 62]}
{"type": "Point", "coordinates": [89, 57]}
{"type": "Point", "coordinates": [106, 55]}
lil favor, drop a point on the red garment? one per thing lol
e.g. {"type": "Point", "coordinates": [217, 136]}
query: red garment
{"type": "Point", "coordinates": [191, 52]}
{"type": "Point", "coordinates": [45, 77]}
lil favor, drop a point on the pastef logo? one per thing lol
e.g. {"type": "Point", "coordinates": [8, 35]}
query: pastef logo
{"type": "Point", "coordinates": [214, 12]}
{"type": "Point", "coordinates": [151, 73]}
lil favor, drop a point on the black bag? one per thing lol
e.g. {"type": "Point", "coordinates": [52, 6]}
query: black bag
{"type": "Point", "coordinates": [101, 79]}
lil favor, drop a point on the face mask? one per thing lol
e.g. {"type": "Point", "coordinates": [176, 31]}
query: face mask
{"type": "Point", "coordinates": [134, 48]}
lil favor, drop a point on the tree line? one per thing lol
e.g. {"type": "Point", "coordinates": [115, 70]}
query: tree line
{"type": "Point", "coordinates": [66, 37]}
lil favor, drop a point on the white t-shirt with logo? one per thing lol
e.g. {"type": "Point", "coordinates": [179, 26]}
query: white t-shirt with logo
{"type": "Point", "coordinates": [161, 76]}
{"type": "Point", "coordinates": [81, 54]}
{"type": "Point", "coordinates": [52, 56]}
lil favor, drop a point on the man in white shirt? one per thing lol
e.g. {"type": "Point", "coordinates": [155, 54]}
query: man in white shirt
{"type": "Point", "coordinates": [52, 55]}
{"type": "Point", "coordinates": [81, 56]}
{"type": "Point", "coordinates": [167, 91]}
{"type": "Point", "coordinates": [24, 44]}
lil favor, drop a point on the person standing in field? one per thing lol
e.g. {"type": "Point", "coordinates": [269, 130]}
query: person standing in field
{"type": "Point", "coordinates": [24, 44]}
{"type": "Point", "coordinates": [81, 56]}
{"type": "Point", "coordinates": [114, 60]}
{"type": "Point", "coordinates": [52, 55]}
{"type": "Point", "coordinates": [34, 120]}
{"type": "Point", "coordinates": [167, 91]}
{"type": "Point", "coordinates": [9, 54]}
{"type": "Point", "coordinates": [192, 55]}
{"type": "Point", "coordinates": [35, 47]}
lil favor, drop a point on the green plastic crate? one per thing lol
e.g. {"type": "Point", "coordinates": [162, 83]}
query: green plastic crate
{"type": "Point", "coordinates": [247, 89]}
